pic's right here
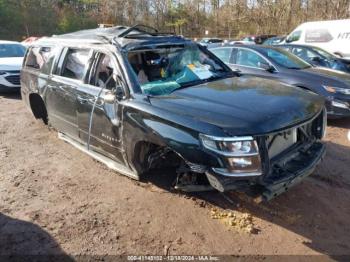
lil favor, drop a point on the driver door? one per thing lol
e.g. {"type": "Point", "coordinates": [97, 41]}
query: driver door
{"type": "Point", "coordinates": [105, 127]}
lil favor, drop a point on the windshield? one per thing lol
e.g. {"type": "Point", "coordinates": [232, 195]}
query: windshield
{"type": "Point", "coordinates": [285, 59]}
{"type": "Point", "coordinates": [164, 69]}
{"type": "Point", "coordinates": [11, 50]}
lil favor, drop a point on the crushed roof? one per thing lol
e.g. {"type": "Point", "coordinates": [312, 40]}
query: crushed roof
{"type": "Point", "coordinates": [124, 36]}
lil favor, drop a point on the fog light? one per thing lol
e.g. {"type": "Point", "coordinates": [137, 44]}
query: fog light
{"type": "Point", "coordinates": [240, 162]}
{"type": "Point", "coordinates": [245, 164]}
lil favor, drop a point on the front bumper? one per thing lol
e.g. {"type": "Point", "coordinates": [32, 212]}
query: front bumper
{"type": "Point", "coordinates": [293, 167]}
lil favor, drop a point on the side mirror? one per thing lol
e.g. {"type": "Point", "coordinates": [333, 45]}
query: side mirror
{"type": "Point", "coordinates": [316, 59]}
{"type": "Point", "coordinates": [267, 67]}
{"type": "Point", "coordinates": [237, 71]}
{"type": "Point", "coordinates": [119, 93]}
{"type": "Point", "coordinates": [116, 93]}
{"type": "Point", "coordinates": [109, 97]}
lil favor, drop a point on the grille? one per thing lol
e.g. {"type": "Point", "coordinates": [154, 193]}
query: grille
{"type": "Point", "coordinates": [285, 150]}
{"type": "Point", "coordinates": [278, 143]}
{"type": "Point", "coordinates": [13, 79]}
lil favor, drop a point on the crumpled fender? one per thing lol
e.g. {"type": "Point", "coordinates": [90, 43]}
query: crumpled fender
{"type": "Point", "coordinates": [142, 126]}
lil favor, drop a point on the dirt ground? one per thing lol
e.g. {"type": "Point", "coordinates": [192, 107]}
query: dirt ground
{"type": "Point", "coordinates": [55, 199]}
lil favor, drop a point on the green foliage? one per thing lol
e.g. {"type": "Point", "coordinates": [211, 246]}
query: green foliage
{"type": "Point", "coordinates": [69, 22]}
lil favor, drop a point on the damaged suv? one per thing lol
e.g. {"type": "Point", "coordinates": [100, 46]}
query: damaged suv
{"type": "Point", "coordinates": [136, 99]}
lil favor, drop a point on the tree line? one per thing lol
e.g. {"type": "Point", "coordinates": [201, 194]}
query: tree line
{"type": "Point", "coordinates": [192, 18]}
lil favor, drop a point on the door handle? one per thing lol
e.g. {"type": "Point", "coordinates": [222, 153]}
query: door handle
{"type": "Point", "coordinates": [82, 100]}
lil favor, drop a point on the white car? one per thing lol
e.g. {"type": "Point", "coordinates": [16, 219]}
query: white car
{"type": "Point", "coordinates": [332, 36]}
{"type": "Point", "coordinates": [11, 59]}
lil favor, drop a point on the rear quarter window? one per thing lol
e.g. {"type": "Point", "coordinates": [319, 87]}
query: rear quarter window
{"type": "Point", "coordinates": [41, 58]}
{"type": "Point", "coordinates": [33, 60]}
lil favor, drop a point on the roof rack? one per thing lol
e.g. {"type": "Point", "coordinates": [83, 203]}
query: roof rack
{"type": "Point", "coordinates": [140, 28]}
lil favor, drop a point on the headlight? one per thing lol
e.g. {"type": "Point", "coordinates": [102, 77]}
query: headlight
{"type": "Point", "coordinates": [333, 89]}
{"type": "Point", "coordinates": [340, 104]}
{"type": "Point", "coordinates": [230, 146]}
{"type": "Point", "coordinates": [241, 154]}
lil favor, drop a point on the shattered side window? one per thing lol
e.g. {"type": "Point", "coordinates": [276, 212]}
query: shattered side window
{"type": "Point", "coordinates": [33, 60]}
{"type": "Point", "coordinates": [48, 55]}
{"type": "Point", "coordinates": [76, 63]}
{"type": "Point", "coordinates": [41, 58]}
{"type": "Point", "coordinates": [104, 73]}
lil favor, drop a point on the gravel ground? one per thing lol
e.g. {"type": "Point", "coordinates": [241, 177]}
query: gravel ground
{"type": "Point", "coordinates": [56, 200]}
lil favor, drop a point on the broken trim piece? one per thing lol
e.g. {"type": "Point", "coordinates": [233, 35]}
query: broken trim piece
{"type": "Point", "coordinates": [105, 160]}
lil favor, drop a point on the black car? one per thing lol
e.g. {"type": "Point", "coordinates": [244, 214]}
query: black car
{"type": "Point", "coordinates": [279, 64]}
{"type": "Point", "coordinates": [318, 57]}
{"type": "Point", "coordinates": [208, 41]}
{"type": "Point", "coordinates": [274, 40]}
{"type": "Point", "coordinates": [138, 100]}
{"type": "Point", "coordinates": [257, 39]}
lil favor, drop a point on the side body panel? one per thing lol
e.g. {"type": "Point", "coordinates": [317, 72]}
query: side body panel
{"type": "Point", "coordinates": [106, 125]}
{"type": "Point", "coordinates": [60, 100]}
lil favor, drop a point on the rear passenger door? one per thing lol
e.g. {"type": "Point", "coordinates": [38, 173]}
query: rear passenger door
{"type": "Point", "coordinates": [106, 128]}
{"type": "Point", "coordinates": [61, 96]}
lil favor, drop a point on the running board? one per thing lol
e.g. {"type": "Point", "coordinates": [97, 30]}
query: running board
{"type": "Point", "coordinates": [101, 158]}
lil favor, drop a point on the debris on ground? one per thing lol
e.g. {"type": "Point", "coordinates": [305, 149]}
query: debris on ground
{"type": "Point", "coordinates": [242, 222]}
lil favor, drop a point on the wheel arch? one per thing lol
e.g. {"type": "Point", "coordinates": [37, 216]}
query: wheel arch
{"type": "Point", "coordinates": [38, 107]}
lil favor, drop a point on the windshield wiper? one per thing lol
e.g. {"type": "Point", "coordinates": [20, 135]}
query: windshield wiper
{"type": "Point", "coordinates": [191, 83]}
{"type": "Point", "coordinates": [202, 81]}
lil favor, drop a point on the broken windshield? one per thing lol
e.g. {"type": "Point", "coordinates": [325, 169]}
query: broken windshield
{"type": "Point", "coordinates": [162, 70]}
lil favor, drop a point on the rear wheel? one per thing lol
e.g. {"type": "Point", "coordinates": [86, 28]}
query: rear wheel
{"type": "Point", "coordinates": [38, 108]}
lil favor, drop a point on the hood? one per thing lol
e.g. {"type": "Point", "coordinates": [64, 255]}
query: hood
{"type": "Point", "coordinates": [243, 105]}
{"type": "Point", "coordinates": [11, 63]}
{"type": "Point", "coordinates": [332, 75]}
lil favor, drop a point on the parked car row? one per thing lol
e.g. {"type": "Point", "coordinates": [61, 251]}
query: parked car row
{"type": "Point", "coordinates": [279, 64]}
{"type": "Point", "coordinates": [332, 36]}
